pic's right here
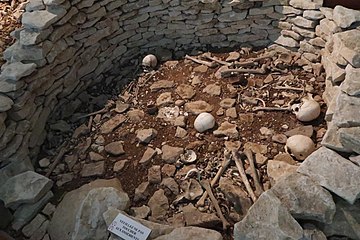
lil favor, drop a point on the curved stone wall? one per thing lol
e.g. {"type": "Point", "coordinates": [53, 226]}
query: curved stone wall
{"type": "Point", "coordinates": [64, 47]}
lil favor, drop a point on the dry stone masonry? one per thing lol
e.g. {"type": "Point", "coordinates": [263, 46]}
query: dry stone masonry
{"type": "Point", "coordinates": [66, 46]}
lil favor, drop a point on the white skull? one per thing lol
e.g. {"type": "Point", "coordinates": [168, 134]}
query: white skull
{"type": "Point", "coordinates": [299, 146]}
{"type": "Point", "coordinates": [307, 110]}
{"type": "Point", "coordinates": [149, 62]}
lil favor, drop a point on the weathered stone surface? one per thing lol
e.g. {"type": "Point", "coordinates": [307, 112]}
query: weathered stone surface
{"type": "Point", "coordinates": [302, 130]}
{"type": "Point", "coordinates": [278, 169]}
{"type": "Point", "coordinates": [193, 217]}
{"type": "Point", "coordinates": [313, 15]}
{"type": "Point", "coordinates": [347, 112]}
{"type": "Point", "coordinates": [5, 103]}
{"type": "Point", "coordinates": [148, 155]}
{"type": "Point", "coordinates": [284, 41]}
{"type": "Point", "coordinates": [141, 212]}
{"type": "Point", "coordinates": [164, 99]}
{"type": "Point", "coordinates": [331, 139]}
{"type": "Point", "coordinates": [191, 233]}
{"type": "Point", "coordinates": [93, 169]}
{"type": "Point", "coordinates": [26, 212]}
{"type": "Point", "coordinates": [89, 222]}
{"type": "Point", "coordinates": [306, 4]}
{"type": "Point", "coordinates": [15, 71]}
{"type": "Point", "coordinates": [349, 46]}
{"type": "Point", "coordinates": [159, 204]}
{"type": "Point", "coordinates": [333, 172]}
{"type": "Point", "coordinates": [36, 223]}
{"type": "Point", "coordinates": [268, 219]}
{"type": "Point", "coordinates": [185, 91]}
{"type": "Point", "coordinates": [304, 198]}
{"type": "Point", "coordinates": [62, 225]}
{"type": "Point", "coordinates": [112, 124]}
{"type": "Point", "coordinates": [303, 22]}
{"type": "Point", "coordinates": [142, 191]}
{"type": "Point", "coordinates": [27, 187]}
{"type": "Point", "coordinates": [146, 135]}
{"type": "Point", "coordinates": [351, 84]}
{"type": "Point", "coordinates": [304, 32]}
{"type": "Point", "coordinates": [40, 19]}
{"type": "Point", "coordinates": [198, 107]}
{"type": "Point", "coordinates": [288, 10]}
{"type": "Point", "coordinates": [212, 89]}
{"type": "Point", "coordinates": [162, 84]}
{"type": "Point", "coordinates": [346, 220]}
{"type": "Point", "coordinates": [227, 129]}
{"type": "Point", "coordinates": [350, 138]}
{"type": "Point", "coordinates": [171, 154]}
{"type": "Point", "coordinates": [344, 17]}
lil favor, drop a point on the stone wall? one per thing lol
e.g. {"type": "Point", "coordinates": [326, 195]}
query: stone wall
{"type": "Point", "coordinates": [64, 47]}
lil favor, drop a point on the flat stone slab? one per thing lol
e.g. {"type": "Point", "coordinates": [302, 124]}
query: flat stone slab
{"type": "Point", "coordinates": [347, 111]}
{"type": "Point", "coordinates": [304, 198]}
{"type": "Point", "coordinates": [268, 219]}
{"type": "Point", "coordinates": [350, 138]}
{"type": "Point", "coordinates": [5, 103]}
{"type": "Point", "coordinates": [351, 84]}
{"type": "Point", "coordinates": [349, 46]}
{"type": "Point", "coordinates": [335, 173]}
{"type": "Point", "coordinates": [113, 123]}
{"type": "Point", "coordinates": [15, 71]}
{"type": "Point", "coordinates": [39, 19]}
{"type": "Point", "coordinates": [344, 17]}
{"type": "Point", "coordinates": [27, 187]}
{"type": "Point", "coordinates": [331, 139]}
{"type": "Point", "coordinates": [198, 107]}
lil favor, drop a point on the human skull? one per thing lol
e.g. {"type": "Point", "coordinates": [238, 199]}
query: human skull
{"type": "Point", "coordinates": [307, 110]}
{"type": "Point", "coordinates": [203, 122]}
{"type": "Point", "coordinates": [149, 62]}
{"type": "Point", "coordinates": [299, 146]}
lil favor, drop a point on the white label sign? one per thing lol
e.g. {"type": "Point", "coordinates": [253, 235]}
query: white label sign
{"type": "Point", "coordinates": [128, 229]}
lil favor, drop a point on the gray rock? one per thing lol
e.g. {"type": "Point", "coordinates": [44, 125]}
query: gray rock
{"type": "Point", "coordinates": [333, 172]}
{"type": "Point", "coordinates": [5, 103]}
{"type": "Point", "coordinates": [328, 12]}
{"type": "Point", "coordinates": [62, 225]}
{"type": "Point", "coordinates": [185, 91]}
{"type": "Point", "coordinates": [171, 154]}
{"type": "Point", "coordinates": [115, 148]}
{"type": "Point", "coordinates": [212, 89]}
{"type": "Point", "coordinates": [141, 212]}
{"type": "Point", "coordinates": [227, 103]}
{"type": "Point", "coordinates": [347, 112]}
{"type": "Point", "coordinates": [148, 155]}
{"type": "Point", "coordinates": [27, 187]}
{"type": "Point", "coordinates": [268, 219]}
{"type": "Point", "coordinates": [191, 233]}
{"type": "Point", "coordinates": [304, 198]}
{"type": "Point", "coordinates": [350, 138]}
{"type": "Point", "coordinates": [302, 130]}
{"type": "Point", "coordinates": [36, 223]}
{"type": "Point", "coordinates": [346, 220]}
{"type": "Point", "coordinates": [278, 169]}
{"type": "Point", "coordinates": [41, 19]}
{"type": "Point", "coordinates": [313, 234]}
{"type": "Point", "coordinates": [146, 135]}
{"type": "Point", "coordinates": [304, 32]}
{"type": "Point", "coordinates": [349, 46]}
{"type": "Point", "coordinates": [164, 99]}
{"type": "Point", "coordinates": [193, 217]}
{"type": "Point", "coordinates": [93, 169]}
{"type": "Point", "coordinates": [284, 41]}
{"type": "Point", "coordinates": [15, 71]}
{"type": "Point", "coordinates": [89, 221]}
{"type": "Point", "coordinates": [198, 107]}
{"type": "Point", "coordinates": [331, 139]}
{"type": "Point", "coordinates": [313, 15]}
{"type": "Point", "coordinates": [288, 10]}
{"type": "Point", "coordinates": [303, 22]}
{"type": "Point", "coordinates": [35, 5]}
{"type": "Point", "coordinates": [161, 84]}
{"type": "Point", "coordinates": [159, 205]}
{"type": "Point", "coordinates": [306, 4]}
{"type": "Point", "coordinates": [112, 124]}
{"type": "Point", "coordinates": [227, 129]}
{"type": "Point", "coordinates": [344, 17]}
{"type": "Point", "coordinates": [136, 115]}
{"type": "Point", "coordinates": [142, 191]}
{"type": "Point", "coordinates": [351, 84]}
{"type": "Point", "coordinates": [154, 174]}
{"type": "Point", "coordinates": [171, 184]}
{"type": "Point", "coordinates": [95, 156]}
{"type": "Point", "coordinates": [26, 212]}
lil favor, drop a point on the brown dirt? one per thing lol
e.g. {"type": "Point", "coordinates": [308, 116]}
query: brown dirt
{"type": "Point", "coordinates": [210, 153]}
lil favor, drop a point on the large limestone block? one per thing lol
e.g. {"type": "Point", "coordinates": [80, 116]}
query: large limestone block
{"type": "Point", "coordinates": [347, 111]}
{"type": "Point", "coordinates": [344, 17]}
{"type": "Point", "coordinates": [348, 45]}
{"type": "Point", "coordinates": [39, 19]}
{"type": "Point", "coordinates": [27, 187]}
{"type": "Point", "coordinates": [15, 71]}
{"type": "Point", "coordinates": [350, 138]}
{"type": "Point", "coordinates": [331, 139]}
{"type": "Point", "coordinates": [268, 219]}
{"type": "Point", "coordinates": [351, 84]}
{"type": "Point", "coordinates": [306, 4]}
{"type": "Point", "coordinates": [191, 233]}
{"type": "Point", "coordinates": [89, 222]}
{"type": "Point", "coordinates": [346, 221]}
{"type": "Point", "coordinates": [335, 173]}
{"type": "Point", "coordinates": [304, 198]}
{"type": "Point", "coordinates": [63, 223]}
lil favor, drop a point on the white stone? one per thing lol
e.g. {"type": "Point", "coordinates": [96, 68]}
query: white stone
{"type": "Point", "coordinates": [204, 121]}
{"type": "Point", "coordinates": [345, 17]}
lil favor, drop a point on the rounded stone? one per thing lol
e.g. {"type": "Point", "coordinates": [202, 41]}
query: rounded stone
{"type": "Point", "coordinates": [203, 122]}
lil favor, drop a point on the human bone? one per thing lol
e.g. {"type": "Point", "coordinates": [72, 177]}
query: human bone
{"type": "Point", "coordinates": [307, 110]}
{"type": "Point", "coordinates": [299, 146]}
{"type": "Point", "coordinates": [203, 122]}
{"type": "Point", "coordinates": [149, 61]}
